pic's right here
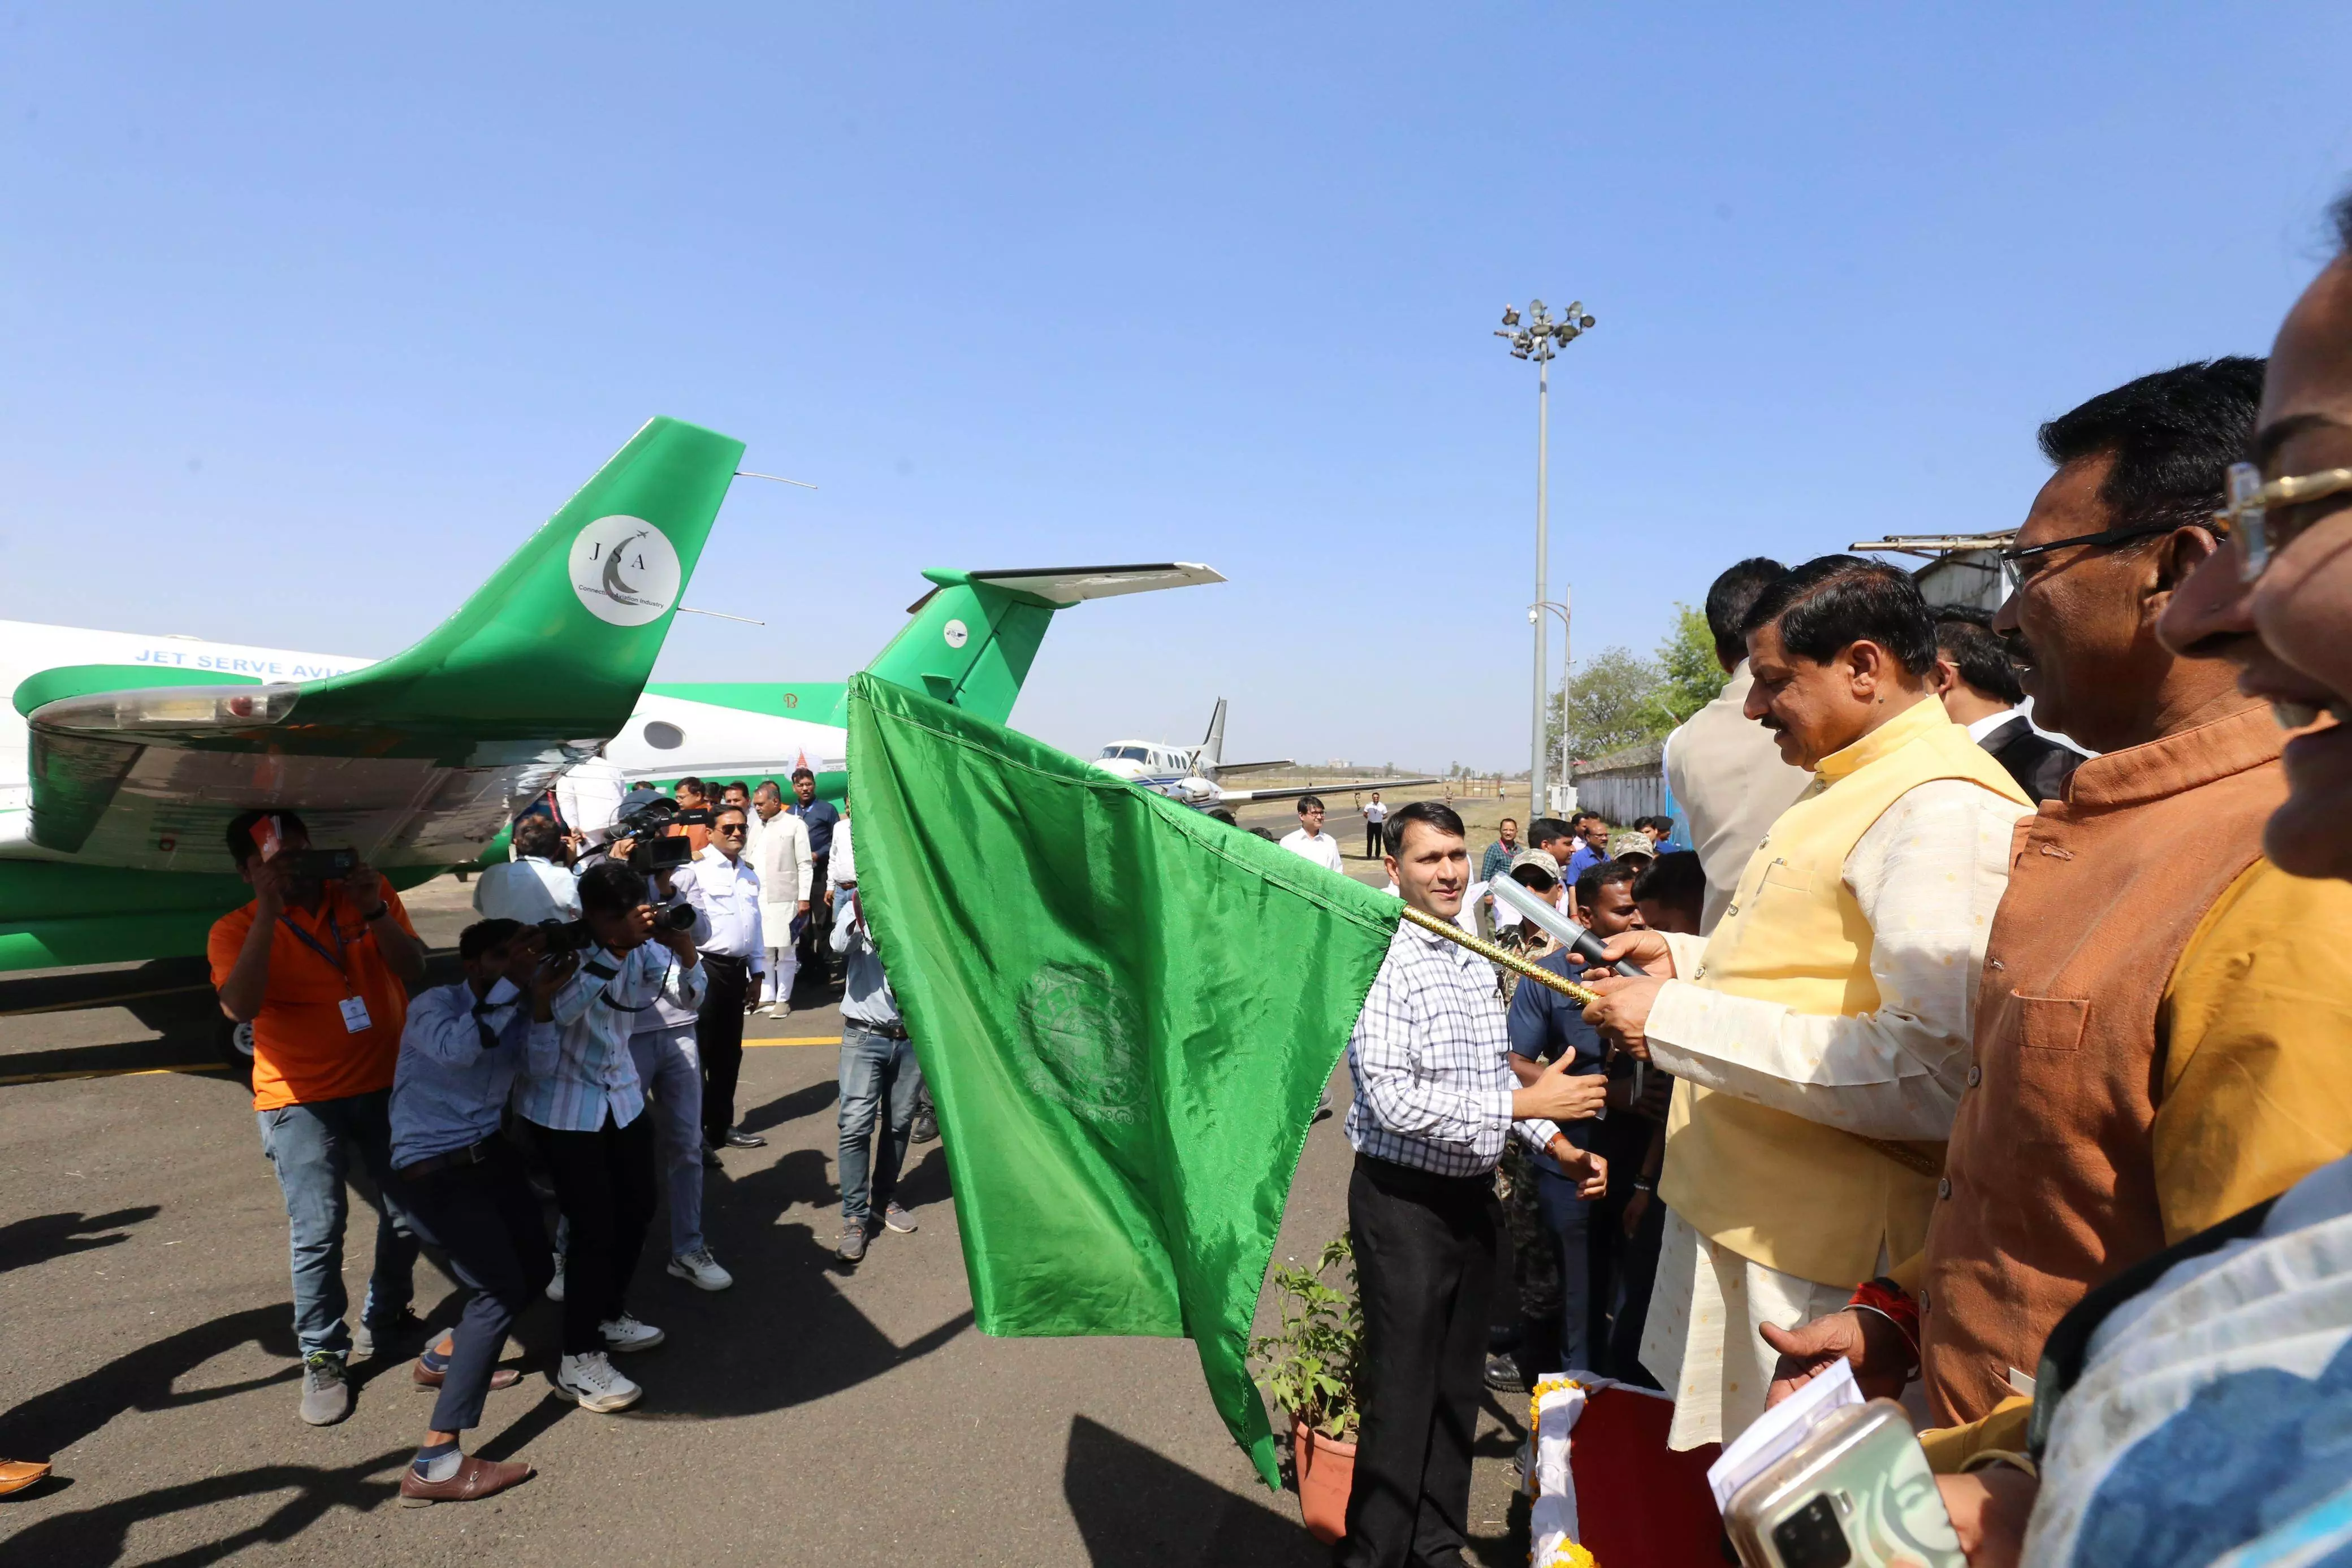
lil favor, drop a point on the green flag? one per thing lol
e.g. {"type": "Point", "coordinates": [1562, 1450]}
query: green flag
{"type": "Point", "coordinates": [1126, 1011]}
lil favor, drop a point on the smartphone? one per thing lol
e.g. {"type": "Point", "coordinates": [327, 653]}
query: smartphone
{"type": "Point", "coordinates": [325, 865]}
{"type": "Point", "coordinates": [1858, 1490]}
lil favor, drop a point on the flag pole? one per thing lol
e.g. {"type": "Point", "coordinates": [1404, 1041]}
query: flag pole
{"type": "Point", "coordinates": [1582, 996]}
{"type": "Point", "coordinates": [1909, 1158]}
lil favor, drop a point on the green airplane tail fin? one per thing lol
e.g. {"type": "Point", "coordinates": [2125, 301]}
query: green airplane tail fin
{"type": "Point", "coordinates": [562, 637]}
{"type": "Point", "coordinates": [974, 635]}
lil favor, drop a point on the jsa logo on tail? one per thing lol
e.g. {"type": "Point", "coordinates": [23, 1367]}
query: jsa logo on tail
{"type": "Point", "coordinates": [624, 570]}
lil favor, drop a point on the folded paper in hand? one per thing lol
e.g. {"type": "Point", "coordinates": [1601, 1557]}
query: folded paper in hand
{"type": "Point", "coordinates": [1779, 1430]}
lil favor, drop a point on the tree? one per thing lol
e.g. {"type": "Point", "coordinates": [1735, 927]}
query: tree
{"type": "Point", "coordinates": [1614, 700]}
{"type": "Point", "coordinates": [1687, 657]}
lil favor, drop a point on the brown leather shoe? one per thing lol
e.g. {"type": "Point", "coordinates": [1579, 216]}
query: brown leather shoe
{"type": "Point", "coordinates": [504, 1377]}
{"type": "Point", "coordinates": [476, 1478]}
{"type": "Point", "coordinates": [16, 1475]}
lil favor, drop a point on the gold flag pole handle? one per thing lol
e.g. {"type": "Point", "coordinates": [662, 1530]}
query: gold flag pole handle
{"type": "Point", "coordinates": [1582, 996]}
{"type": "Point", "coordinates": [1902, 1154]}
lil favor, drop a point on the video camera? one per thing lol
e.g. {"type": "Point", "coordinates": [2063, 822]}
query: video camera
{"type": "Point", "coordinates": [655, 849]}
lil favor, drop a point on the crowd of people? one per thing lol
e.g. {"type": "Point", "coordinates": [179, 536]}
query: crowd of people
{"type": "Point", "coordinates": [589, 1056]}
{"type": "Point", "coordinates": [2006, 1045]}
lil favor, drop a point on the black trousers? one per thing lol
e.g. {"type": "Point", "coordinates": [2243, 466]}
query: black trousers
{"type": "Point", "coordinates": [1620, 1139]}
{"type": "Point", "coordinates": [1372, 847]}
{"type": "Point", "coordinates": [484, 1217]}
{"type": "Point", "coordinates": [816, 931]}
{"type": "Point", "coordinates": [1426, 1256]}
{"type": "Point", "coordinates": [604, 1186]}
{"type": "Point", "coordinates": [1637, 1276]}
{"type": "Point", "coordinates": [718, 1035]}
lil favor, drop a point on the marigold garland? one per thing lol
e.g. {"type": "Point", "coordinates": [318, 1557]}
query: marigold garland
{"type": "Point", "coordinates": [1568, 1554]}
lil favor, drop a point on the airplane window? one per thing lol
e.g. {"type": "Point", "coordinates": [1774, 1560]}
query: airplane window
{"type": "Point", "coordinates": [1129, 753]}
{"type": "Point", "coordinates": [663, 736]}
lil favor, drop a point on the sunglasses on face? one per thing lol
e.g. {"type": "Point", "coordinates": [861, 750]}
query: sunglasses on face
{"type": "Point", "coordinates": [727, 828]}
{"type": "Point", "coordinates": [2258, 534]}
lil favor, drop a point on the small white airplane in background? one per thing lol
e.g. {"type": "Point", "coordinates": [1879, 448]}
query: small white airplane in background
{"type": "Point", "coordinates": [1191, 773]}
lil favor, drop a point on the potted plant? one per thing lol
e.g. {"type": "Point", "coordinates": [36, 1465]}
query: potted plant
{"type": "Point", "coordinates": [1309, 1369]}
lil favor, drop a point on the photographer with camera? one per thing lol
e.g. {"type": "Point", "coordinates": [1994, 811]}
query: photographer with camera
{"type": "Point", "coordinates": [581, 1090]}
{"type": "Point", "coordinates": [320, 964]}
{"type": "Point", "coordinates": [463, 1183]}
{"type": "Point", "coordinates": [538, 884]}
{"type": "Point", "coordinates": [666, 1042]}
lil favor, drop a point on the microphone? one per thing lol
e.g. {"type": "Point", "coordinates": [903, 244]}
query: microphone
{"type": "Point", "coordinates": [1575, 938]}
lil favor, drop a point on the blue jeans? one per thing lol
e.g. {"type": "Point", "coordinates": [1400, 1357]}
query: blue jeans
{"type": "Point", "coordinates": [1568, 1217]}
{"type": "Point", "coordinates": [312, 1148]}
{"type": "Point", "coordinates": [670, 1068]}
{"type": "Point", "coordinates": [877, 1072]}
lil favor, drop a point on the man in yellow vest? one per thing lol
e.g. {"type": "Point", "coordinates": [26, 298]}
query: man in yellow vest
{"type": "Point", "coordinates": [1819, 1035]}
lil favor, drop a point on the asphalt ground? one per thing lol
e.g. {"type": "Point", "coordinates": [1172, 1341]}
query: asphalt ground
{"type": "Point", "coordinates": [807, 1416]}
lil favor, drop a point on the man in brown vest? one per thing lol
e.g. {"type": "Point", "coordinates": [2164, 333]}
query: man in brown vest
{"type": "Point", "coordinates": [2158, 1038]}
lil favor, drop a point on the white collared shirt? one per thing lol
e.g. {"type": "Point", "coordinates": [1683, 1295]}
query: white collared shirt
{"type": "Point", "coordinates": [1322, 849]}
{"type": "Point", "coordinates": [1980, 728]}
{"type": "Point", "coordinates": [730, 897]}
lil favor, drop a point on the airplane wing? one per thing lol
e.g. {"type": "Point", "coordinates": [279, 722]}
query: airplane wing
{"type": "Point", "coordinates": [423, 758]}
{"type": "Point", "coordinates": [1337, 786]}
{"type": "Point", "coordinates": [1226, 767]}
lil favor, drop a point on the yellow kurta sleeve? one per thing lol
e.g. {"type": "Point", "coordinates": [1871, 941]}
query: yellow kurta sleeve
{"type": "Point", "coordinates": [1950, 1448]}
{"type": "Point", "coordinates": [2256, 1091]}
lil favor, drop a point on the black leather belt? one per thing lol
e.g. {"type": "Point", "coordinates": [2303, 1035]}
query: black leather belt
{"type": "Point", "coordinates": [474, 1154]}
{"type": "Point", "coordinates": [886, 1030]}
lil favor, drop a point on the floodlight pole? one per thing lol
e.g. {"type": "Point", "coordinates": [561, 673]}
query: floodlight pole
{"type": "Point", "coordinates": [1539, 339]}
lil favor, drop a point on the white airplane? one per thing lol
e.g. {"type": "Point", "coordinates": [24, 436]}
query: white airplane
{"type": "Point", "coordinates": [1191, 773]}
{"type": "Point", "coordinates": [123, 757]}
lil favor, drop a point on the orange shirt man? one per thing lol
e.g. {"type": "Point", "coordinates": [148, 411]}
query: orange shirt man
{"type": "Point", "coordinates": [321, 970]}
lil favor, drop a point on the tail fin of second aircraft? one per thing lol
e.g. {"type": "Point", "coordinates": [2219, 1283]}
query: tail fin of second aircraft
{"type": "Point", "coordinates": [566, 632]}
{"type": "Point", "coordinates": [1212, 745]}
{"type": "Point", "coordinates": [974, 636]}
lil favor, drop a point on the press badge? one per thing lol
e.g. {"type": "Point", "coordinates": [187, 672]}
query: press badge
{"type": "Point", "coordinates": [355, 1014]}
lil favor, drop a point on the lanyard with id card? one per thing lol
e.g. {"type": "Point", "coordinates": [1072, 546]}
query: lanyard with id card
{"type": "Point", "coordinates": [354, 1007]}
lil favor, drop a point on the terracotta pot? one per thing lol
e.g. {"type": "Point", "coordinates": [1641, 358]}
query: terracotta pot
{"type": "Point", "coordinates": [1327, 1473]}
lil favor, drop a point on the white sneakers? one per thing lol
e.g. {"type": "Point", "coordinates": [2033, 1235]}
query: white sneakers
{"type": "Point", "coordinates": [626, 1334]}
{"type": "Point", "coordinates": [778, 1009]}
{"type": "Point", "coordinates": [591, 1380]}
{"type": "Point", "coordinates": [700, 1269]}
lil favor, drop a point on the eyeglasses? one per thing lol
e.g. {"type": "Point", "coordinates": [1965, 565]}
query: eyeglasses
{"type": "Point", "coordinates": [727, 828]}
{"type": "Point", "coordinates": [2247, 514]}
{"type": "Point", "coordinates": [2013, 557]}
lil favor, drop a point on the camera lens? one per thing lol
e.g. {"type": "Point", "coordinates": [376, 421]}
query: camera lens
{"type": "Point", "coordinates": [1811, 1537]}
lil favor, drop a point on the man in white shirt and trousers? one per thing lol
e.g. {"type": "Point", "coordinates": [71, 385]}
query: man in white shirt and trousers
{"type": "Point", "coordinates": [1375, 815]}
{"type": "Point", "coordinates": [734, 955]}
{"type": "Point", "coordinates": [780, 855]}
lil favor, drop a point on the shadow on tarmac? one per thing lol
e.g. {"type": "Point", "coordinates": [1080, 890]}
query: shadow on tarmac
{"type": "Point", "coordinates": [46, 1236]}
{"type": "Point", "coordinates": [96, 1537]}
{"type": "Point", "coordinates": [1137, 1509]}
{"type": "Point", "coordinates": [143, 1380]}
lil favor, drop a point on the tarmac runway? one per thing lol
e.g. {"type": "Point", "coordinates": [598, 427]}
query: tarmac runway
{"type": "Point", "coordinates": [807, 1416]}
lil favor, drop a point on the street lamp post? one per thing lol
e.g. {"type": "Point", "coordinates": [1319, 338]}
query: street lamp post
{"type": "Point", "coordinates": [1567, 662]}
{"type": "Point", "coordinates": [1539, 338]}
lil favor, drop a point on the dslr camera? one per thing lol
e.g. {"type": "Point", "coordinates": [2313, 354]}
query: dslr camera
{"type": "Point", "coordinates": [573, 935]}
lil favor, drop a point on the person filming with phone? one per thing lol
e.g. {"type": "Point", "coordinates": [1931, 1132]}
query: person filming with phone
{"type": "Point", "coordinates": [321, 965]}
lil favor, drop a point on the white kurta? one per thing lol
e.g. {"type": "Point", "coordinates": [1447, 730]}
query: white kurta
{"type": "Point", "coordinates": [1927, 876]}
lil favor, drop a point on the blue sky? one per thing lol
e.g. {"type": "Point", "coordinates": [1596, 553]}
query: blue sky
{"type": "Point", "coordinates": [308, 317]}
